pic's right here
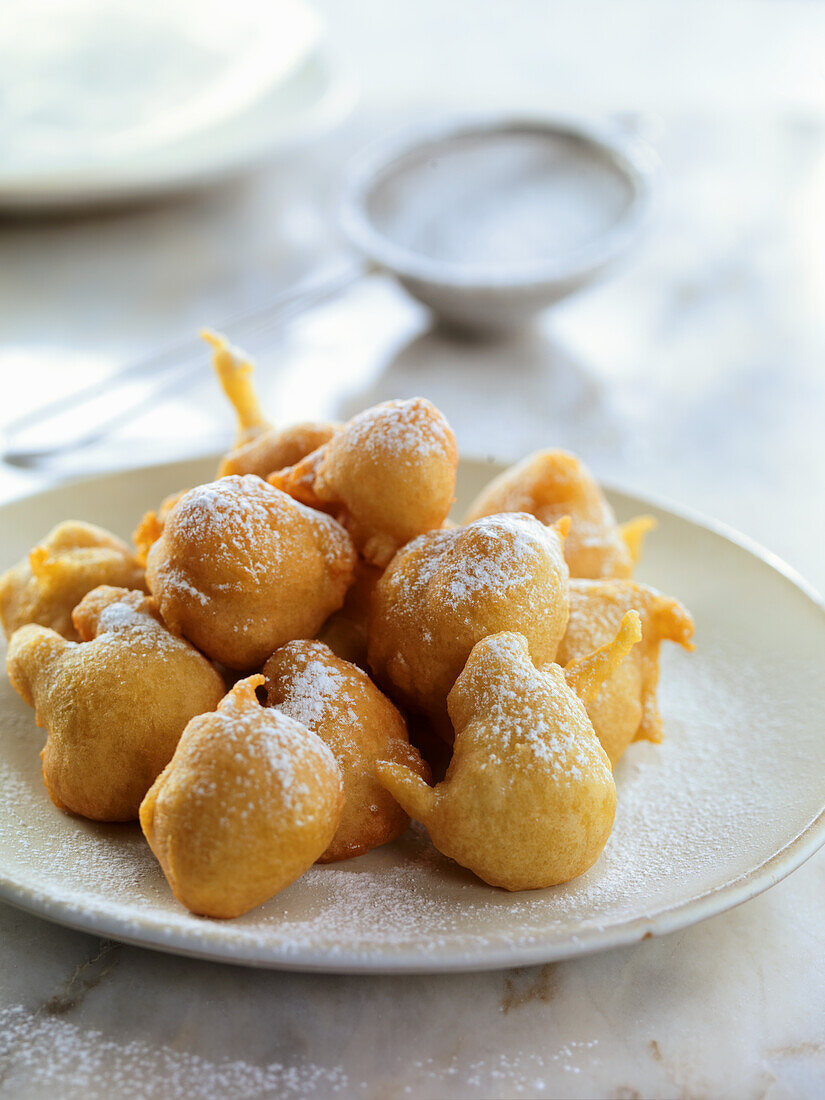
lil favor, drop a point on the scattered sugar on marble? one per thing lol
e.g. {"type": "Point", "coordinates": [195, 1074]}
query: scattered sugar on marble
{"type": "Point", "coordinates": [46, 1052]}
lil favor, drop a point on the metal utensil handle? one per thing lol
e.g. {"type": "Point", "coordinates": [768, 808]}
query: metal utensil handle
{"type": "Point", "coordinates": [173, 365]}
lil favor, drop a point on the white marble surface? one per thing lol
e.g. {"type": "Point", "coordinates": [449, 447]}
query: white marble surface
{"type": "Point", "coordinates": [696, 373]}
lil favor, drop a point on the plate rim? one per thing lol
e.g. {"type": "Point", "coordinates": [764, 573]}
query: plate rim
{"type": "Point", "coordinates": [680, 915]}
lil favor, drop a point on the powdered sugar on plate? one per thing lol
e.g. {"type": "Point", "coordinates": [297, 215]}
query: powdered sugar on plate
{"type": "Point", "coordinates": [686, 823]}
{"type": "Point", "coordinates": [705, 819]}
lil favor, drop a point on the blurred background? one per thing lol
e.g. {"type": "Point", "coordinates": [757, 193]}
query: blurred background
{"type": "Point", "coordinates": [161, 170]}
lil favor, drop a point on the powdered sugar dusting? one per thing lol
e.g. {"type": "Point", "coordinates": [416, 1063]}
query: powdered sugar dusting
{"type": "Point", "coordinates": [138, 628]}
{"type": "Point", "coordinates": [319, 694]}
{"type": "Point", "coordinates": [62, 1059]}
{"type": "Point", "coordinates": [738, 775]}
{"type": "Point", "coordinates": [503, 550]}
{"type": "Point", "coordinates": [245, 738]}
{"type": "Point", "coordinates": [597, 606]}
{"type": "Point", "coordinates": [409, 430]}
{"type": "Point", "coordinates": [244, 522]}
{"type": "Point", "coordinates": [229, 516]}
{"type": "Point", "coordinates": [693, 813]}
{"type": "Point", "coordinates": [496, 557]}
{"type": "Point", "coordinates": [526, 716]}
{"type": "Point", "coordinates": [51, 1056]}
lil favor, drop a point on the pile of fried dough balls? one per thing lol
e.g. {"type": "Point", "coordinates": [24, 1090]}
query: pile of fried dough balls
{"type": "Point", "coordinates": [291, 654]}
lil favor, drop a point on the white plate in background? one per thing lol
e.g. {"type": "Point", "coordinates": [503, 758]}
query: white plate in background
{"type": "Point", "coordinates": [116, 100]}
{"type": "Point", "coordinates": [730, 803]}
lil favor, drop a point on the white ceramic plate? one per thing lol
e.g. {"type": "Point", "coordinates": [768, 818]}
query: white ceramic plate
{"type": "Point", "coordinates": [729, 804]}
{"type": "Point", "coordinates": [310, 101]}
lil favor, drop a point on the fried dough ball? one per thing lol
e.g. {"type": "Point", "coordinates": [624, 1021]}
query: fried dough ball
{"type": "Point", "coordinates": [343, 706]}
{"type": "Point", "coordinates": [240, 568]}
{"type": "Point", "coordinates": [528, 799]}
{"type": "Point", "coordinates": [113, 707]}
{"type": "Point", "coordinates": [249, 802]}
{"type": "Point", "coordinates": [259, 447]}
{"type": "Point", "coordinates": [276, 448]}
{"type": "Point", "coordinates": [449, 589]}
{"type": "Point", "coordinates": [625, 708]}
{"type": "Point", "coordinates": [552, 484]}
{"type": "Point", "coordinates": [345, 631]}
{"type": "Point", "coordinates": [388, 474]}
{"type": "Point", "coordinates": [72, 559]}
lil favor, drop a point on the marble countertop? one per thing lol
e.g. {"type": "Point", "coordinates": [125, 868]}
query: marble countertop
{"type": "Point", "coordinates": [695, 373]}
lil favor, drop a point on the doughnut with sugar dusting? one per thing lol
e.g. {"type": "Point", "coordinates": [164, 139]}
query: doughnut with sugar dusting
{"type": "Point", "coordinates": [552, 484]}
{"type": "Point", "coordinates": [340, 703]}
{"type": "Point", "coordinates": [448, 589]}
{"type": "Point", "coordinates": [113, 705]}
{"type": "Point", "coordinates": [248, 802]}
{"type": "Point", "coordinates": [388, 475]}
{"type": "Point", "coordinates": [259, 448]}
{"type": "Point", "coordinates": [528, 800]}
{"type": "Point", "coordinates": [625, 708]}
{"type": "Point", "coordinates": [240, 568]}
{"type": "Point", "coordinates": [55, 575]}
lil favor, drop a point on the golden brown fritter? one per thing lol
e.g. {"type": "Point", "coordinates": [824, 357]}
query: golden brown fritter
{"type": "Point", "coordinates": [53, 578]}
{"type": "Point", "coordinates": [528, 799]}
{"type": "Point", "coordinates": [240, 568]}
{"type": "Point", "coordinates": [150, 528]}
{"type": "Point", "coordinates": [552, 484]}
{"type": "Point", "coordinates": [625, 708]}
{"type": "Point", "coordinates": [448, 589]}
{"type": "Point", "coordinates": [249, 801]}
{"type": "Point", "coordinates": [388, 475]}
{"type": "Point", "coordinates": [340, 703]}
{"type": "Point", "coordinates": [259, 447]}
{"type": "Point", "coordinates": [276, 448]}
{"type": "Point", "coordinates": [114, 705]}
{"type": "Point", "coordinates": [345, 631]}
